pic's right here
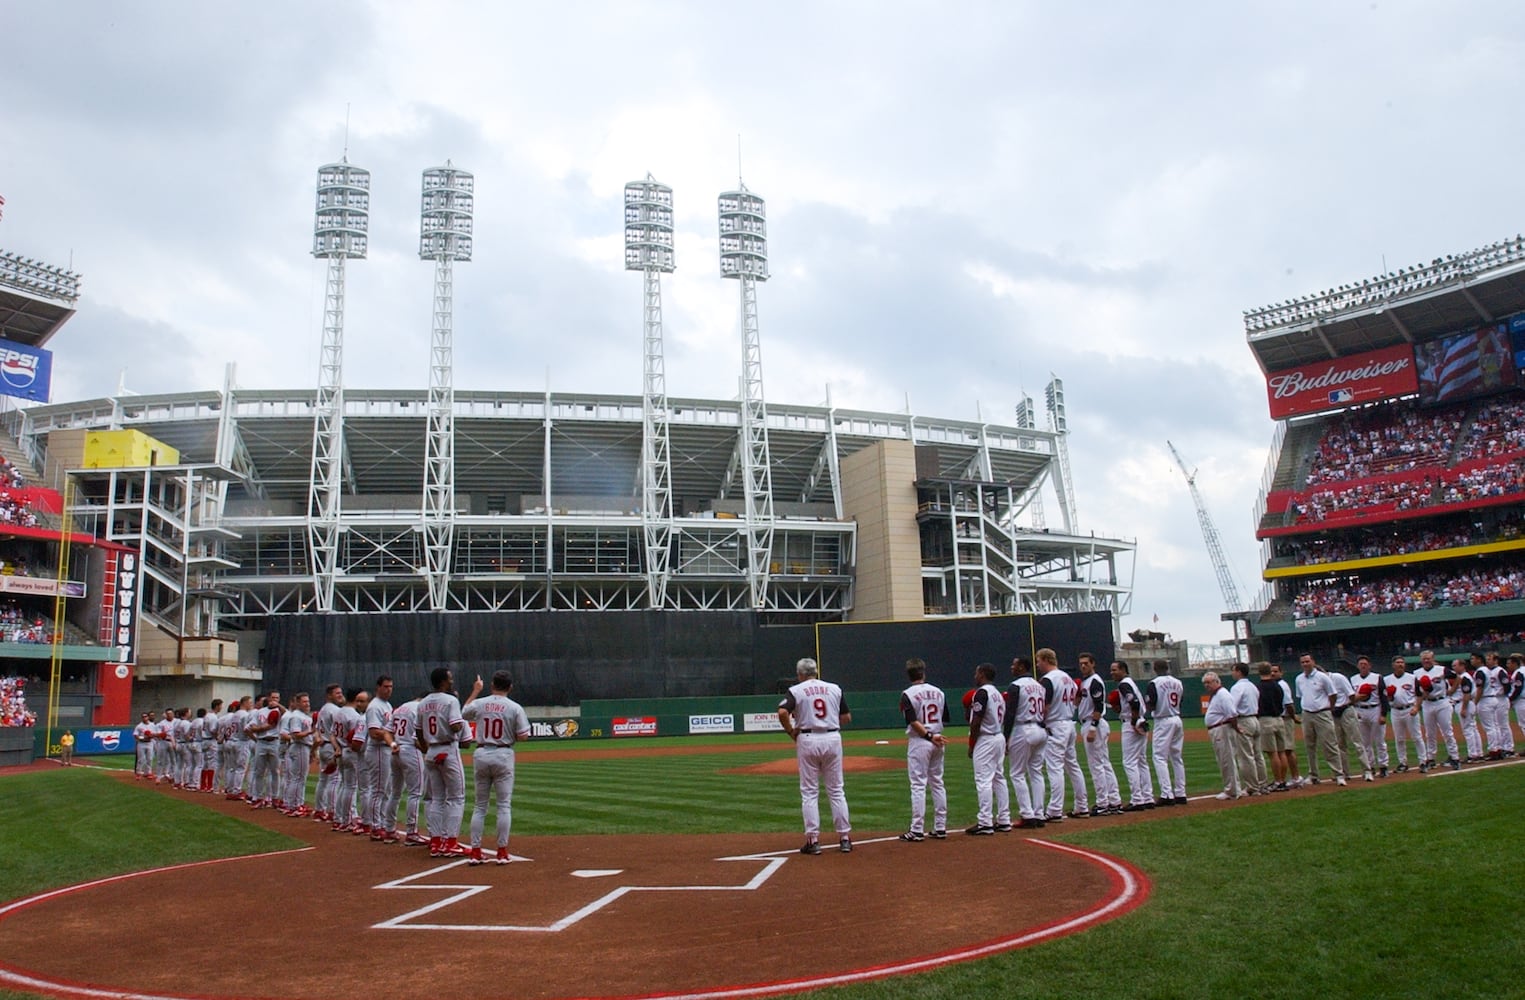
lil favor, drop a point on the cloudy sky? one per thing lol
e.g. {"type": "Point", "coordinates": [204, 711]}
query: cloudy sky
{"type": "Point", "coordinates": [962, 198]}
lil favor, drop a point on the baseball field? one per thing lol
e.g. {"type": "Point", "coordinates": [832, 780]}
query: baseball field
{"type": "Point", "coordinates": [1404, 887]}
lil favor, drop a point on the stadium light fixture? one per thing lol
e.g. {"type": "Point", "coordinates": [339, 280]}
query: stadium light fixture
{"type": "Point", "coordinates": [446, 212]}
{"type": "Point", "coordinates": [648, 227]}
{"type": "Point", "coordinates": [743, 235]}
{"type": "Point", "coordinates": [344, 211]}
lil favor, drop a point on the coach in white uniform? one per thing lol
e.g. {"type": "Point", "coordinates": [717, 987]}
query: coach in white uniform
{"type": "Point", "coordinates": [1163, 699]}
{"type": "Point", "coordinates": [924, 708]}
{"type": "Point", "coordinates": [813, 713]}
{"type": "Point", "coordinates": [500, 723]}
{"type": "Point", "coordinates": [1026, 710]}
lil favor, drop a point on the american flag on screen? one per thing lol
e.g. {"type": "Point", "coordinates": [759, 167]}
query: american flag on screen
{"type": "Point", "coordinates": [1468, 364]}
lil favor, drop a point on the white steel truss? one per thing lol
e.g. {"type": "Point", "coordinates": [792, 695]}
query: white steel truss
{"type": "Point", "coordinates": [656, 460]}
{"type": "Point", "coordinates": [328, 442]}
{"type": "Point", "coordinates": [757, 465]}
{"type": "Point", "coordinates": [439, 442]}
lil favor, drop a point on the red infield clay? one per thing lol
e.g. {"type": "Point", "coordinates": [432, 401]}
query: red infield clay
{"type": "Point", "coordinates": [850, 765]}
{"type": "Point", "coordinates": [586, 916]}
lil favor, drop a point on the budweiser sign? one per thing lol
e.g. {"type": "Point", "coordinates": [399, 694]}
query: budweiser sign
{"type": "Point", "coordinates": [1329, 385]}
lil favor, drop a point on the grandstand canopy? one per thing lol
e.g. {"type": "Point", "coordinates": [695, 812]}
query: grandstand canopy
{"type": "Point", "coordinates": [1410, 306]}
{"type": "Point", "coordinates": [36, 298]}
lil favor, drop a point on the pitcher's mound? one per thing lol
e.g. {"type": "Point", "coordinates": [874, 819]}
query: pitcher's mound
{"type": "Point", "coordinates": [850, 765]}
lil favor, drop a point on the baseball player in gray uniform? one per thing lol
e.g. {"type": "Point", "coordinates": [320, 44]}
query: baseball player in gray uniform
{"type": "Point", "coordinates": [324, 728]}
{"type": "Point", "coordinates": [236, 740]}
{"type": "Point", "coordinates": [441, 730]}
{"type": "Point", "coordinates": [297, 733]}
{"type": "Point", "coordinates": [500, 723]}
{"type": "Point", "coordinates": [267, 752]}
{"type": "Point", "coordinates": [142, 739]}
{"type": "Point", "coordinates": [210, 748]}
{"type": "Point", "coordinates": [163, 748]}
{"type": "Point", "coordinates": [924, 708]}
{"type": "Point", "coordinates": [1025, 711]}
{"type": "Point", "coordinates": [813, 713]}
{"type": "Point", "coordinates": [350, 741]}
{"type": "Point", "coordinates": [408, 768]}
{"type": "Point", "coordinates": [380, 747]}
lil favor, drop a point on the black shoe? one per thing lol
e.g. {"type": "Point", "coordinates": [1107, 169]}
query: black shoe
{"type": "Point", "coordinates": [845, 845]}
{"type": "Point", "coordinates": [939, 835]}
{"type": "Point", "coordinates": [1150, 805]}
{"type": "Point", "coordinates": [913, 837]}
{"type": "Point", "coordinates": [1454, 764]}
{"type": "Point", "coordinates": [811, 847]}
{"type": "Point", "coordinates": [1402, 768]}
{"type": "Point", "coordinates": [1054, 819]}
{"type": "Point", "coordinates": [1003, 828]}
{"type": "Point", "coordinates": [1382, 772]}
{"type": "Point", "coordinates": [1029, 824]}
{"type": "Point", "coordinates": [1077, 814]}
{"type": "Point", "coordinates": [980, 831]}
{"type": "Point", "coordinates": [1131, 808]}
{"type": "Point", "coordinates": [1181, 800]}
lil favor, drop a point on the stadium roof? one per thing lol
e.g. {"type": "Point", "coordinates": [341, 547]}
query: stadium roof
{"type": "Point", "coordinates": [500, 440]}
{"type": "Point", "coordinates": [1412, 305]}
{"type": "Point", "coordinates": [35, 298]}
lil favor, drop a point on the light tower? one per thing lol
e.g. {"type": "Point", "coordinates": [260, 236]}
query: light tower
{"type": "Point", "coordinates": [744, 256]}
{"type": "Point", "coordinates": [1064, 485]}
{"type": "Point", "coordinates": [649, 249]}
{"type": "Point", "coordinates": [445, 218]}
{"type": "Point", "coordinates": [339, 234]}
{"type": "Point", "coordinates": [1027, 419]}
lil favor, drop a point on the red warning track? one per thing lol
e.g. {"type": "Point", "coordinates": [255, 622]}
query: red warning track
{"type": "Point", "coordinates": [593, 916]}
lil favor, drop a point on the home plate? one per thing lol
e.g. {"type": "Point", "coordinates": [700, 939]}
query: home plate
{"type": "Point", "coordinates": [596, 872]}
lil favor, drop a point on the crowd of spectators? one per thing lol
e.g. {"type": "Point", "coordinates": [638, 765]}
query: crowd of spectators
{"type": "Point", "coordinates": [1328, 550]}
{"type": "Point", "coordinates": [19, 625]}
{"type": "Point", "coordinates": [1498, 429]}
{"type": "Point", "coordinates": [1489, 481]}
{"type": "Point", "coordinates": [13, 710]}
{"type": "Point", "coordinates": [14, 511]}
{"type": "Point", "coordinates": [10, 475]}
{"type": "Point", "coordinates": [1384, 439]}
{"type": "Point", "coordinates": [1419, 592]}
{"type": "Point", "coordinates": [1322, 504]}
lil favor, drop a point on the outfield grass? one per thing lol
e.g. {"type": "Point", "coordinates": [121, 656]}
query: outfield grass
{"type": "Point", "coordinates": [1393, 889]}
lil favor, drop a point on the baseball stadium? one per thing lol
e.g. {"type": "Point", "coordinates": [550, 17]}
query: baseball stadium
{"type": "Point", "coordinates": [653, 573]}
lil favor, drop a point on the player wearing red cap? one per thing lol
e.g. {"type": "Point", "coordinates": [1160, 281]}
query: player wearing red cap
{"type": "Point", "coordinates": [1370, 700]}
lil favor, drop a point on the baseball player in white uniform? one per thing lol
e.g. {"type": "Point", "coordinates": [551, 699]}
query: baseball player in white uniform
{"type": "Point", "coordinates": [325, 726]}
{"type": "Point", "coordinates": [1463, 694]}
{"type": "Point", "coordinates": [1163, 699]}
{"type": "Point", "coordinates": [441, 730]}
{"type": "Point", "coordinates": [987, 748]}
{"type": "Point", "coordinates": [1402, 689]}
{"type": "Point", "coordinates": [1026, 735]}
{"type": "Point", "coordinates": [1060, 761]}
{"type": "Point", "coordinates": [408, 769]}
{"type": "Point", "coordinates": [163, 748]}
{"type": "Point", "coordinates": [1370, 698]}
{"type": "Point", "coordinates": [1516, 696]}
{"type": "Point", "coordinates": [1435, 710]}
{"type": "Point", "coordinates": [924, 708]}
{"type": "Point", "coordinates": [1135, 739]}
{"type": "Point", "coordinates": [142, 740]}
{"type": "Point", "coordinates": [1095, 735]}
{"type": "Point", "coordinates": [376, 766]}
{"type": "Point", "coordinates": [500, 722]}
{"type": "Point", "coordinates": [813, 713]}
{"type": "Point", "coordinates": [1493, 706]}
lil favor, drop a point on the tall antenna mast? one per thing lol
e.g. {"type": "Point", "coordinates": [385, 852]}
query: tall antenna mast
{"type": "Point", "coordinates": [445, 221]}
{"type": "Point", "coordinates": [744, 256]}
{"type": "Point", "coordinates": [649, 249]}
{"type": "Point", "coordinates": [339, 234]}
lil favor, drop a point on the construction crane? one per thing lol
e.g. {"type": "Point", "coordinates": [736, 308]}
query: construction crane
{"type": "Point", "coordinates": [1210, 536]}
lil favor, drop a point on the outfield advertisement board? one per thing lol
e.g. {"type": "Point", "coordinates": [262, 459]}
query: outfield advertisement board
{"type": "Point", "coordinates": [645, 725]}
{"type": "Point", "coordinates": [711, 724]}
{"type": "Point", "coordinates": [1330, 385]}
{"type": "Point", "coordinates": [25, 372]}
{"type": "Point", "coordinates": [565, 729]}
{"type": "Point", "coordinates": [762, 722]}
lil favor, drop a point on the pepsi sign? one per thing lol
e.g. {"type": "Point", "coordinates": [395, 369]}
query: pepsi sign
{"type": "Point", "coordinates": [25, 372]}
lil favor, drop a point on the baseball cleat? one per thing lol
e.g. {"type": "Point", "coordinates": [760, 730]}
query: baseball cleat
{"type": "Point", "coordinates": [845, 845]}
{"type": "Point", "coordinates": [1133, 807]}
{"type": "Point", "coordinates": [1054, 818]}
{"type": "Point", "coordinates": [1003, 828]}
{"type": "Point", "coordinates": [1180, 800]}
{"type": "Point", "coordinates": [501, 857]}
{"type": "Point", "coordinates": [1224, 796]}
{"type": "Point", "coordinates": [980, 831]}
{"type": "Point", "coordinates": [1029, 823]}
{"type": "Point", "coordinates": [1382, 773]}
{"type": "Point", "coordinates": [475, 857]}
{"type": "Point", "coordinates": [939, 834]}
{"type": "Point", "coordinates": [1402, 768]}
{"type": "Point", "coordinates": [415, 840]}
{"type": "Point", "coordinates": [453, 849]}
{"type": "Point", "coordinates": [1339, 779]}
{"type": "Point", "coordinates": [1367, 776]}
{"type": "Point", "coordinates": [913, 837]}
{"type": "Point", "coordinates": [1453, 764]}
{"type": "Point", "coordinates": [811, 847]}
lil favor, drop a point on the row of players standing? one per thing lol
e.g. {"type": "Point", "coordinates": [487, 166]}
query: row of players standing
{"type": "Point", "coordinates": [372, 759]}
